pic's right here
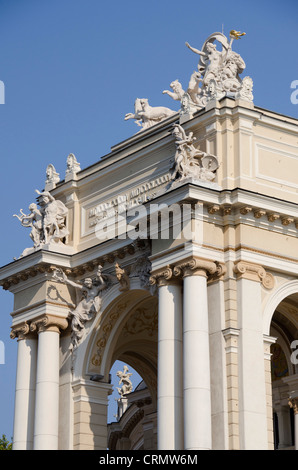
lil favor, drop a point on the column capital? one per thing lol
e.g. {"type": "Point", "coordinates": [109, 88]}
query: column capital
{"type": "Point", "coordinates": [253, 272]}
{"type": "Point", "coordinates": [194, 266]}
{"type": "Point", "coordinates": [49, 323]}
{"type": "Point", "coordinates": [293, 403]}
{"type": "Point", "coordinates": [20, 331]}
{"type": "Point", "coordinates": [161, 277]}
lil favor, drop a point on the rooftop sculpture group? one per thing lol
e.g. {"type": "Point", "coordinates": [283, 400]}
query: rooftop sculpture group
{"type": "Point", "coordinates": [190, 161]}
{"type": "Point", "coordinates": [217, 76]}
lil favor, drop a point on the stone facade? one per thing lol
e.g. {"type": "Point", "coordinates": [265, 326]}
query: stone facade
{"type": "Point", "coordinates": [197, 309]}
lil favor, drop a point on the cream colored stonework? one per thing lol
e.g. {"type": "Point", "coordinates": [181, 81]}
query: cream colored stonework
{"type": "Point", "coordinates": [241, 258]}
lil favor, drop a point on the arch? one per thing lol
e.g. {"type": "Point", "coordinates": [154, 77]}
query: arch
{"type": "Point", "coordinates": [124, 331]}
{"type": "Point", "coordinates": [287, 289]}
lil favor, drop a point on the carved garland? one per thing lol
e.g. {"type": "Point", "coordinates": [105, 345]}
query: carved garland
{"type": "Point", "coordinates": [106, 330]}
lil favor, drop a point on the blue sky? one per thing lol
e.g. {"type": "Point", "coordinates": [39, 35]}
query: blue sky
{"type": "Point", "coordinates": [73, 68]}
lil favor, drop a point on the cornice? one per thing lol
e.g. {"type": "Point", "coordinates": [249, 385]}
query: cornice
{"type": "Point", "coordinates": [45, 262]}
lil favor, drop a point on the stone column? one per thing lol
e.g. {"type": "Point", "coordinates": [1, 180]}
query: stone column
{"type": "Point", "coordinates": [196, 355]}
{"type": "Point", "coordinates": [25, 388]}
{"type": "Point", "coordinates": [47, 381]}
{"type": "Point", "coordinates": [293, 403]}
{"type": "Point", "coordinates": [169, 389]}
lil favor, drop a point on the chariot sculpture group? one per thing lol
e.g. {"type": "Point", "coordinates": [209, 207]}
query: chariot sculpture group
{"type": "Point", "coordinates": [217, 75]}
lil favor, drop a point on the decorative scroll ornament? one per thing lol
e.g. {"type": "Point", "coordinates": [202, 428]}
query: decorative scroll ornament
{"type": "Point", "coordinates": [146, 115]}
{"type": "Point", "coordinates": [254, 272]}
{"type": "Point", "coordinates": [189, 161]}
{"type": "Point", "coordinates": [88, 305]}
{"type": "Point", "coordinates": [47, 223]}
{"type": "Point", "coordinates": [161, 277]}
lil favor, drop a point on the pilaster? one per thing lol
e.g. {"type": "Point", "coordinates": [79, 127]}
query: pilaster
{"type": "Point", "coordinates": [253, 426]}
{"type": "Point", "coordinates": [90, 414]}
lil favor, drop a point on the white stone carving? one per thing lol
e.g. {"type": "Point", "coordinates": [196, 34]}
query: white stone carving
{"type": "Point", "coordinates": [125, 381]}
{"type": "Point", "coordinates": [52, 177]}
{"type": "Point", "coordinates": [245, 92]}
{"type": "Point", "coordinates": [88, 305]}
{"type": "Point", "coordinates": [48, 224]}
{"type": "Point", "coordinates": [218, 75]}
{"type": "Point", "coordinates": [189, 161]}
{"type": "Point", "coordinates": [73, 167]}
{"type": "Point", "coordinates": [146, 115]}
{"type": "Point", "coordinates": [54, 217]}
{"type": "Point", "coordinates": [177, 93]}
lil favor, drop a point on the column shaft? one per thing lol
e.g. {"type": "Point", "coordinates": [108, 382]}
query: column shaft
{"type": "Point", "coordinates": [196, 364]}
{"type": "Point", "coordinates": [47, 391]}
{"type": "Point", "coordinates": [170, 392]}
{"type": "Point", "coordinates": [25, 394]}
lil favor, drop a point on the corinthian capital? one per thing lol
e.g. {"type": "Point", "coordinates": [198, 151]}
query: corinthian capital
{"type": "Point", "coordinates": [49, 323]}
{"type": "Point", "coordinates": [195, 267]}
{"type": "Point", "coordinates": [161, 277]}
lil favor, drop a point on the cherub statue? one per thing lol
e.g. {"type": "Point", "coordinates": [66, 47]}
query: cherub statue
{"type": "Point", "coordinates": [125, 381]}
{"type": "Point", "coordinates": [146, 115]}
{"type": "Point", "coordinates": [33, 220]}
{"type": "Point", "coordinates": [88, 305]}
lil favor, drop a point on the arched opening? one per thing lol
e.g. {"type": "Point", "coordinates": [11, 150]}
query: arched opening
{"type": "Point", "coordinates": [134, 425]}
{"type": "Point", "coordinates": [284, 376]}
{"type": "Point", "coordinates": [125, 342]}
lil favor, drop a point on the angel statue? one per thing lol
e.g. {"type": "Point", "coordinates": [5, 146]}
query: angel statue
{"type": "Point", "coordinates": [146, 115]}
{"type": "Point", "coordinates": [125, 381]}
{"type": "Point", "coordinates": [88, 305]}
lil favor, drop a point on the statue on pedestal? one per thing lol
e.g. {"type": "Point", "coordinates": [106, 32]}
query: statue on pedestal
{"type": "Point", "coordinates": [125, 381]}
{"type": "Point", "coordinates": [189, 161]}
{"type": "Point", "coordinates": [48, 223]}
